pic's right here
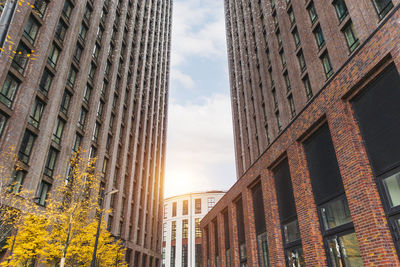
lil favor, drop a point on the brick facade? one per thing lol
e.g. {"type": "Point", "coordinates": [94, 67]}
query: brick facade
{"type": "Point", "coordinates": [378, 51]}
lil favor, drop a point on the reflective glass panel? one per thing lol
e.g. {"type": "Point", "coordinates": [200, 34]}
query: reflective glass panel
{"type": "Point", "coordinates": [335, 213]}
{"type": "Point", "coordinates": [392, 186]}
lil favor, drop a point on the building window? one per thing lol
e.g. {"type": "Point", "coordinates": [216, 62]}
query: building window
{"type": "Point", "coordinates": [197, 228]}
{"type": "Point", "coordinates": [174, 209]}
{"type": "Point", "coordinates": [67, 9]}
{"type": "Point", "coordinates": [82, 118]}
{"type": "Point", "coordinates": [279, 38]}
{"type": "Point", "coordinates": [96, 50]}
{"type": "Point", "coordinates": [287, 82]}
{"type": "Point", "coordinates": [198, 256]}
{"type": "Point", "coordinates": [78, 52]}
{"type": "Point", "coordinates": [96, 132]}
{"type": "Point", "coordinates": [65, 102]}
{"type": "Point", "coordinates": [92, 71]}
{"type": "Point", "coordinates": [164, 232]}
{"type": "Point", "coordinates": [45, 82]}
{"type": "Point", "coordinates": [291, 16]}
{"type": "Point", "coordinates": [307, 87]}
{"type": "Point", "coordinates": [3, 121]}
{"type": "Point", "coordinates": [58, 130]}
{"type": "Point", "coordinates": [319, 37]}
{"type": "Point", "coordinates": [283, 58]}
{"type": "Point", "coordinates": [31, 29]}
{"type": "Point", "coordinates": [275, 98]}
{"type": "Point", "coordinates": [61, 30]}
{"type": "Point", "coordinates": [71, 77]}
{"type": "Point", "coordinates": [36, 113]}
{"type": "Point", "coordinates": [185, 228]}
{"type": "Point", "coordinates": [351, 38]}
{"type": "Point", "coordinates": [51, 162]}
{"type": "Point", "coordinates": [296, 37]}
{"type": "Point", "coordinates": [53, 55]}
{"type": "Point", "coordinates": [88, 13]}
{"type": "Point", "coordinates": [173, 230]}
{"type": "Point", "coordinates": [82, 32]}
{"type": "Point", "coordinates": [185, 207]}
{"type": "Point", "coordinates": [197, 206]}
{"type": "Point", "coordinates": [302, 61]}
{"type": "Point", "coordinates": [9, 90]}
{"type": "Point", "coordinates": [291, 106]}
{"type": "Point", "coordinates": [184, 255]}
{"type": "Point", "coordinates": [326, 63]}
{"type": "Point", "coordinates": [341, 9]}
{"type": "Point", "coordinates": [383, 7]}
{"type": "Point", "coordinates": [77, 142]}
{"type": "Point", "coordinates": [240, 234]}
{"type": "Point", "coordinates": [18, 179]}
{"type": "Point", "coordinates": [87, 94]}
{"type": "Point", "coordinates": [173, 256]}
{"type": "Point", "coordinates": [210, 203]}
{"type": "Point", "coordinates": [100, 109]}
{"type": "Point", "coordinates": [312, 12]}
{"type": "Point", "coordinates": [40, 7]}
{"type": "Point", "coordinates": [327, 185]}
{"type": "Point", "coordinates": [278, 120]}
{"type": "Point", "coordinates": [43, 193]}
{"type": "Point", "coordinates": [25, 149]}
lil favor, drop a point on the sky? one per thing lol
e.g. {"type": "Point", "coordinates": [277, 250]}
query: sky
{"type": "Point", "coordinates": [200, 150]}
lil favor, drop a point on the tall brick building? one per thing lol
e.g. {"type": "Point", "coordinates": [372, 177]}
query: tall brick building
{"type": "Point", "coordinates": [315, 88]}
{"type": "Point", "coordinates": [99, 81]}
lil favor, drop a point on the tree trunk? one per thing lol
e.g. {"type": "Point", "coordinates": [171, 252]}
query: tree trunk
{"type": "Point", "coordinates": [62, 262]}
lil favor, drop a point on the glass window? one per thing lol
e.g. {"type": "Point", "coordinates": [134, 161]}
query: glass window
{"type": "Point", "coordinates": [173, 209]}
{"type": "Point", "coordinates": [53, 55]}
{"type": "Point", "coordinates": [344, 251]}
{"type": "Point", "coordinates": [51, 162]}
{"type": "Point", "coordinates": [45, 82]}
{"type": "Point", "coordinates": [279, 38]}
{"type": "Point", "coordinates": [82, 118]}
{"type": "Point", "coordinates": [263, 254]}
{"type": "Point", "coordinates": [291, 105]}
{"type": "Point", "coordinates": [351, 38]}
{"type": "Point", "coordinates": [67, 9]}
{"type": "Point", "coordinates": [58, 130]}
{"type": "Point", "coordinates": [21, 57]}
{"type": "Point", "coordinates": [88, 13]}
{"type": "Point", "coordinates": [31, 29]}
{"type": "Point", "coordinates": [9, 90]}
{"type": "Point", "coordinates": [291, 16]}
{"type": "Point", "coordinates": [100, 108]}
{"type": "Point", "coordinates": [278, 120]}
{"type": "Point", "coordinates": [43, 193]}
{"type": "Point", "coordinates": [185, 228]}
{"type": "Point", "coordinates": [173, 230]}
{"type": "Point", "coordinates": [82, 32]}
{"type": "Point", "coordinates": [335, 213]}
{"type": "Point", "coordinates": [92, 70]}
{"type": "Point", "coordinates": [65, 102]}
{"type": "Point", "coordinates": [197, 228]}
{"type": "Point", "coordinates": [185, 207]}
{"type": "Point", "coordinates": [36, 113]}
{"type": "Point", "coordinates": [197, 206]}
{"type": "Point", "coordinates": [312, 12]}
{"type": "Point", "coordinates": [16, 184]}
{"type": "Point", "coordinates": [25, 149]}
{"type": "Point", "coordinates": [71, 77]}
{"type": "Point", "coordinates": [3, 121]}
{"type": "Point", "coordinates": [87, 94]}
{"type": "Point", "coordinates": [291, 231]}
{"type": "Point", "coordinates": [296, 37]}
{"type": "Point", "coordinates": [77, 142]}
{"type": "Point", "coordinates": [40, 7]}
{"type": "Point", "coordinates": [78, 52]}
{"type": "Point", "coordinates": [96, 132]}
{"type": "Point", "coordinates": [210, 203]}
{"type": "Point", "coordinates": [287, 81]}
{"type": "Point", "coordinates": [96, 50]}
{"type": "Point", "coordinates": [295, 257]}
{"type": "Point", "coordinates": [383, 7]}
{"type": "Point", "coordinates": [283, 58]}
{"type": "Point", "coordinates": [319, 37]}
{"type": "Point", "coordinates": [326, 62]}
{"type": "Point", "coordinates": [392, 189]}
{"type": "Point", "coordinates": [341, 9]}
{"type": "Point", "coordinates": [307, 87]}
{"type": "Point", "coordinates": [165, 206]}
{"type": "Point", "coordinates": [61, 30]}
{"type": "Point", "coordinates": [302, 61]}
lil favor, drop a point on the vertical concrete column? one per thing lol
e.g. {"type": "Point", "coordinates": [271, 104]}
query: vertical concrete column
{"type": "Point", "coordinates": [274, 233]}
{"type": "Point", "coordinates": [371, 227]}
{"type": "Point", "coordinates": [311, 237]}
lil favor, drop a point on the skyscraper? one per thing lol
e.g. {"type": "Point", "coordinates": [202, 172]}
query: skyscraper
{"type": "Point", "coordinates": [91, 74]}
{"type": "Point", "coordinates": [315, 87]}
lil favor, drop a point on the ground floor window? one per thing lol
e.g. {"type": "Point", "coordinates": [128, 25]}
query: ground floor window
{"type": "Point", "coordinates": [344, 250]}
{"type": "Point", "coordinates": [262, 246]}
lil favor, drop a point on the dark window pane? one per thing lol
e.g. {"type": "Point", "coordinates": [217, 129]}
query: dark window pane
{"type": "Point", "coordinates": [9, 90]}
{"type": "Point", "coordinates": [335, 213]}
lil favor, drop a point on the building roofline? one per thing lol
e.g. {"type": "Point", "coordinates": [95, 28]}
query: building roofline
{"type": "Point", "coordinates": [197, 193]}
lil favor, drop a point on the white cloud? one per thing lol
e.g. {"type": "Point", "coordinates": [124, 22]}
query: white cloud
{"type": "Point", "coordinates": [198, 28]}
{"type": "Point", "coordinates": [200, 152]}
{"type": "Point", "coordinates": [184, 79]}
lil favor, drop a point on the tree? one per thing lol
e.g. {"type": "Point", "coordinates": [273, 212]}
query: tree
{"type": "Point", "coordinates": [64, 231]}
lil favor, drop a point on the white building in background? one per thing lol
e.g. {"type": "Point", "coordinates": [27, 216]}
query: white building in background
{"type": "Point", "coordinates": [181, 227]}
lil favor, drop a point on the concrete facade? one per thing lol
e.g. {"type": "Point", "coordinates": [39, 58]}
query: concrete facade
{"type": "Point", "coordinates": [193, 213]}
{"type": "Point", "coordinates": [284, 163]}
{"type": "Point", "coordinates": [108, 93]}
